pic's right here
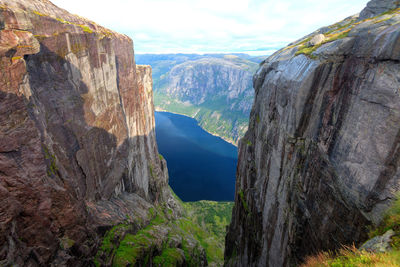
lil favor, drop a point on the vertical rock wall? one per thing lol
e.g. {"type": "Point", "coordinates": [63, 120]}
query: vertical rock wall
{"type": "Point", "coordinates": [320, 161]}
{"type": "Point", "coordinates": [76, 134]}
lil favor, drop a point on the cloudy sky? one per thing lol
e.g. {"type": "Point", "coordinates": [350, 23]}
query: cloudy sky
{"type": "Point", "coordinates": [203, 26]}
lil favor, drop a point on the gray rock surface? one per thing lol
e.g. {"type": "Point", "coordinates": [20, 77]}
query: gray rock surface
{"type": "Point", "coordinates": [379, 243]}
{"type": "Point", "coordinates": [376, 7]}
{"type": "Point", "coordinates": [320, 161]}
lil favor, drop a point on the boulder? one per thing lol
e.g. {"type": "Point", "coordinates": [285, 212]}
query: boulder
{"type": "Point", "coordinates": [317, 40]}
{"type": "Point", "coordinates": [379, 243]}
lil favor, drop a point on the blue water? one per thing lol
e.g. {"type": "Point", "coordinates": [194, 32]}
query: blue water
{"type": "Point", "coordinates": [201, 166]}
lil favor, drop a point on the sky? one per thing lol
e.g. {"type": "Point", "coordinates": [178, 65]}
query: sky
{"type": "Point", "coordinates": [257, 27]}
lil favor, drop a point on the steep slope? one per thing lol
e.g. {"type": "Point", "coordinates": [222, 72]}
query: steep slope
{"type": "Point", "coordinates": [320, 161]}
{"type": "Point", "coordinates": [216, 90]}
{"type": "Point", "coordinates": [77, 145]}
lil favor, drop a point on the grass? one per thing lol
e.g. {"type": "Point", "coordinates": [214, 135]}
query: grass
{"type": "Point", "coordinates": [338, 32]}
{"type": "Point", "coordinates": [351, 256]}
{"type": "Point", "coordinates": [391, 220]}
{"type": "Point", "coordinates": [309, 50]}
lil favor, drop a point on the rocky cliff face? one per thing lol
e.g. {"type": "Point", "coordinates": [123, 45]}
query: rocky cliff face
{"type": "Point", "coordinates": [320, 161]}
{"type": "Point", "coordinates": [77, 145]}
{"type": "Point", "coordinates": [215, 90]}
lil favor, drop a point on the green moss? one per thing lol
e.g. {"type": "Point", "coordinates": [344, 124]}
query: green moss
{"type": "Point", "coordinates": [160, 157]}
{"type": "Point", "coordinates": [249, 143]}
{"type": "Point", "coordinates": [121, 246]}
{"type": "Point", "coordinates": [52, 167]}
{"type": "Point", "coordinates": [391, 220]}
{"type": "Point", "coordinates": [66, 243]}
{"type": "Point", "coordinates": [131, 248]}
{"type": "Point", "coordinates": [170, 257]}
{"type": "Point", "coordinates": [39, 14]}
{"type": "Point", "coordinates": [243, 201]}
{"type": "Point", "coordinates": [86, 28]}
{"type": "Point", "coordinates": [63, 21]}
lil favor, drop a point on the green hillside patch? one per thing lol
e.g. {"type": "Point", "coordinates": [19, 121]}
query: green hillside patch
{"type": "Point", "coordinates": [213, 217]}
{"type": "Point", "coordinates": [212, 116]}
{"type": "Point", "coordinates": [169, 241]}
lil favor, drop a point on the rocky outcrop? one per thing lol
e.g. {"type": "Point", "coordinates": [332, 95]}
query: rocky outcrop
{"type": "Point", "coordinates": [320, 161]}
{"type": "Point", "coordinates": [376, 7]}
{"type": "Point", "coordinates": [77, 145]}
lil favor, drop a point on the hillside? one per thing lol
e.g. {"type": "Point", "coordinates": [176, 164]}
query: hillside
{"type": "Point", "coordinates": [216, 90]}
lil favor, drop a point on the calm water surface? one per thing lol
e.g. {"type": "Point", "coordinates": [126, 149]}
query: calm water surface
{"type": "Point", "coordinates": [201, 166]}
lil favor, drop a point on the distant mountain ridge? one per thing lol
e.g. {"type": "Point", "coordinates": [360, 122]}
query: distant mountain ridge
{"type": "Point", "coordinates": [215, 89]}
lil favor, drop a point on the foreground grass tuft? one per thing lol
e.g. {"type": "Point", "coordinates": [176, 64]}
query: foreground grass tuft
{"type": "Point", "coordinates": [351, 256]}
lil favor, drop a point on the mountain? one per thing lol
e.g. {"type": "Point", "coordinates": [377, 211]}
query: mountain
{"type": "Point", "coordinates": [81, 180]}
{"type": "Point", "coordinates": [320, 161]}
{"type": "Point", "coordinates": [215, 89]}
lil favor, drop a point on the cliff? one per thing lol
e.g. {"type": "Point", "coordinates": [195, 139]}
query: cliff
{"type": "Point", "coordinates": [216, 90]}
{"type": "Point", "coordinates": [320, 161]}
{"type": "Point", "coordinates": [77, 145]}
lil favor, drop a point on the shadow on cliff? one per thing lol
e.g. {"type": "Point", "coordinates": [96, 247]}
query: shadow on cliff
{"type": "Point", "coordinates": [93, 163]}
{"type": "Point", "coordinates": [84, 163]}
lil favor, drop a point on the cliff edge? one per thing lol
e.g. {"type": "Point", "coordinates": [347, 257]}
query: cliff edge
{"type": "Point", "coordinates": [78, 154]}
{"type": "Point", "coordinates": [320, 161]}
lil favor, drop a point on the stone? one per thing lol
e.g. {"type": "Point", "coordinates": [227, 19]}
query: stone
{"type": "Point", "coordinates": [317, 40]}
{"type": "Point", "coordinates": [379, 243]}
{"type": "Point", "coordinates": [376, 7]}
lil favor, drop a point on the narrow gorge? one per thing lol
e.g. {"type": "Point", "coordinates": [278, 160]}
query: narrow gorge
{"type": "Point", "coordinates": [82, 182]}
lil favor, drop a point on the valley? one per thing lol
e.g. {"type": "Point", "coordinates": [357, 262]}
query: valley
{"type": "Point", "coordinates": [215, 89]}
{"type": "Point", "coordinates": [200, 165]}
{"type": "Point", "coordinates": [199, 159]}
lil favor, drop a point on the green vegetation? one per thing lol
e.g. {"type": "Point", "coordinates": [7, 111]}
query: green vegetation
{"type": "Point", "coordinates": [214, 116]}
{"type": "Point", "coordinates": [224, 113]}
{"type": "Point", "coordinates": [243, 201]}
{"type": "Point", "coordinates": [330, 37]}
{"type": "Point", "coordinates": [85, 28]}
{"type": "Point", "coordinates": [351, 256]}
{"type": "Point", "coordinates": [169, 241]}
{"type": "Point", "coordinates": [213, 218]}
{"type": "Point", "coordinates": [391, 220]}
{"type": "Point", "coordinates": [52, 167]}
{"type": "Point", "coordinates": [15, 58]}
{"type": "Point", "coordinates": [339, 31]}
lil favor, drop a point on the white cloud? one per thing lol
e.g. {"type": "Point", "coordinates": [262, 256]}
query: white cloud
{"type": "Point", "coordinates": [212, 25]}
